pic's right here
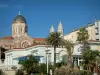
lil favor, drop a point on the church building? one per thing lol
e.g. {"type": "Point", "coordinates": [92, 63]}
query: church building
{"type": "Point", "coordinates": [20, 44]}
{"type": "Point", "coordinates": [20, 38]}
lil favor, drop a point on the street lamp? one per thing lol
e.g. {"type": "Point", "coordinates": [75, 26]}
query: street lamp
{"type": "Point", "coordinates": [47, 59]}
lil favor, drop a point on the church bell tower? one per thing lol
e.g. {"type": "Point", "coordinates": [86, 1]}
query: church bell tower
{"type": "Point", "coordinates": [19, 26]}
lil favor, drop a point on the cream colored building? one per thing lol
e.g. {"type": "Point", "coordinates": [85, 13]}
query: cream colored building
{"type": "Point", "coordinates": [73, 35]}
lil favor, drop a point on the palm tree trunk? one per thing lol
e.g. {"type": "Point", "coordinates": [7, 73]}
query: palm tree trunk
{"type": "Point", "coordinates": [69, 62]}
{"type": "Point", "coordinates": [83, 46]}
{"type": "Point", "coordinates": [54, 55]}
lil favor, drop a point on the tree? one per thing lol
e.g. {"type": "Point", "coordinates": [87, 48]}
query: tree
{"type": "Point", "coordinates": [1, 72]}
{"type": "Point", "coordinates": [90, 58]}
{"type": "Point", "coordinates": [82, 37]}
{"type": "Point", "coordinates": [2, 54]}
{"type": "Point", "coordinates": [69, 47]}
{"type": "Point", "coordinates": [31, 65]}
{"type": "Point", "coordinates": [19, 72]}
{"type": "Point", "coordinates": [54, 39]}
{"type": "Point", "coordinates": [43, 68]}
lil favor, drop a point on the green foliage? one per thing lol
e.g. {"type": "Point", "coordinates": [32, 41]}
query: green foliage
{"type": "Point", "coordinates": [82, 35]}
{"type": "Point", "coordinates": [69, 48]}
{"type": "Point", "coordinates": [82, 38]}
{"type": "Point", "coordinates": [54, 39]}
{"type": "Point", "coordinates": [19, 72]}
{"type": "Point", "coordinates": [84, 72]}
{"type": "Point", "coordinates": [1, 72]}
{"type": "Point", "coordinates": [31, 65]}
{"type": "Point", "coordinates": [2, 52]}
{"type": "Point", "coordinates": [90, 57]}
{"type": "Point", "coordinates": [64, 70]}
{"type": "Point", "coordinates": [59, 64]}
{"type": "Point", "coordinates": [68, 45]}
{"type": "Point", "coordinates": [43, 68]}
{"type": "Point", "coordinates": [51, 67]}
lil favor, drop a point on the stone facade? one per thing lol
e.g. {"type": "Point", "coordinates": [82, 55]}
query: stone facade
{"type": "Point", "coordinates": [20, 38]}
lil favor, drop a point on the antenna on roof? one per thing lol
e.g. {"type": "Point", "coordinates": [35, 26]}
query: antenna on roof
{"type": "Point", "coordinates": [19, 13]}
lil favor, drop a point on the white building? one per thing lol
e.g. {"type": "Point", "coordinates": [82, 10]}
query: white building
{"type": "Point", "coordinates": [13, 56]}
{"type": "Point", "coordinates": [25, 45]}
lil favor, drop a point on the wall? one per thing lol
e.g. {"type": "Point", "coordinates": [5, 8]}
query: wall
{"type": "Point", "coordinates": [40, 50]}
{"type": "Point", "coordinates": [73, 35]}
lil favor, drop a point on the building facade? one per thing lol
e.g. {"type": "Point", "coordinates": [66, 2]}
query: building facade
{"type": "Point", "coordinates": [20, 44]}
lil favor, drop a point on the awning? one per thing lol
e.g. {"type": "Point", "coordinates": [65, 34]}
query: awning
{"type": "Point", "coordinates": [26, 57]}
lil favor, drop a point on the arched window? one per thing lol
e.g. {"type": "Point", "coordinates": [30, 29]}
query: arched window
{"type": "Point", "coordinates": [21, 29]}
{"type": "Point", "coordinates": [25, 44]}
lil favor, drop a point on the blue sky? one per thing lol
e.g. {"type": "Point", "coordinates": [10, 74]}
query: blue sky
{"type": "Point", "coordinates": [41, 14]}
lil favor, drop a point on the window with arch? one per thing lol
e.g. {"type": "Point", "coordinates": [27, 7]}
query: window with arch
{"type": "Point", "coordinates": [21, 29]}
{"type": "Point", "coordinates": [25, 44]}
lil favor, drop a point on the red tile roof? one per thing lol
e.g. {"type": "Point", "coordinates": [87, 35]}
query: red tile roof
{"type": "Point", "coordinates": [8, 37]}
{"type": "Point", "coordinates": [18, 48]}
{"type": "Point", "coordinates": [39, 39]}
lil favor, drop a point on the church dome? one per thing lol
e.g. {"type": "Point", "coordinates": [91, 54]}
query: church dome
{"type": "Point", "coordinates": [19, 18]}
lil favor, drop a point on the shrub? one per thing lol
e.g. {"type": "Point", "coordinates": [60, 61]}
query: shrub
{"type": "Point", "coordinates": [30, 65]}
{"type": "Point", "coordinates": [64, 70]}
{"type": "Point", "coordinates": [19, 72]}
{"type": "Point", "coordinates": [59, 64]}
{"type": "Point", "coordinates": [43, 68]}
{"type": "Point", "coordinates": [1, 72]}
{"type": "Point", "coordinates": [84, 72]}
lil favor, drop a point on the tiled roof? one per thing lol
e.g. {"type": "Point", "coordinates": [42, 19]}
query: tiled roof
{"type": "Point", "coordinates": [18, 48]}
{"type": "Point", "coordinates": [39, 39]}
{"type": "Point", "coordinates": [8, 37]}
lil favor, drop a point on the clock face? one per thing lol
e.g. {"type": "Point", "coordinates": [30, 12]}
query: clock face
{"type": "Point", "coordinates": [80, 49]}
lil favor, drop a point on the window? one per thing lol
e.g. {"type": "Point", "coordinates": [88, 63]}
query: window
{"type": "Point", "coordinates": [97, 39]}
{"type": "Point", "coordinates": [20, 29]}
{"type": "Point", "coordinates": [97, 33]}
{"type": "Point", "coordinates": [25, 45]}
{"type": "Point", "coordinates": [96, 27]}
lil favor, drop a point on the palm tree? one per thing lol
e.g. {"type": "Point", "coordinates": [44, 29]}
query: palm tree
{"type": "Point", "coordinates": [54, 39]}
{"type": "Point", "coordinates": [70, 48]}
{"type": "Point", "coordinates": [82, 36]}
{"type": "Point", "coordinates": [90, 58]}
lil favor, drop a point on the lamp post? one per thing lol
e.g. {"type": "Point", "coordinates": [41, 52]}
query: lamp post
{"type": "Point", "coordinates": [47, 59]}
